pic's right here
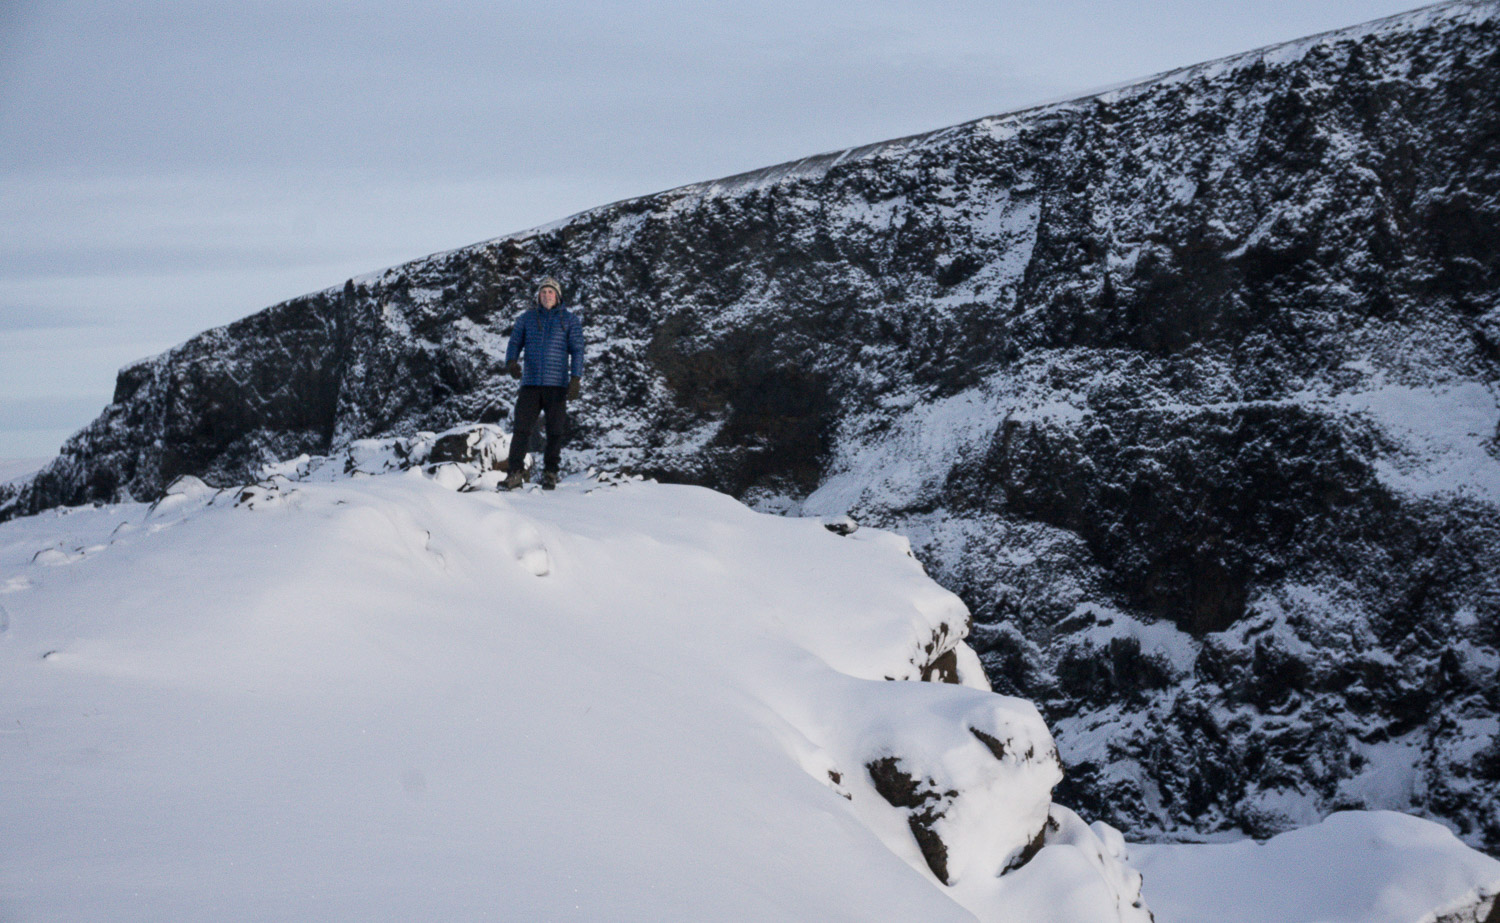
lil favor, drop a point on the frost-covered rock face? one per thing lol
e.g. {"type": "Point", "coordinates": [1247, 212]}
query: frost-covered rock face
{"type": "Point", "coordinates": [1188, 389]}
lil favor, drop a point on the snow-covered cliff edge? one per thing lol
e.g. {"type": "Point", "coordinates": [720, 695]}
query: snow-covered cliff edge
{"type": "Point", "coordinates": [348, 697]}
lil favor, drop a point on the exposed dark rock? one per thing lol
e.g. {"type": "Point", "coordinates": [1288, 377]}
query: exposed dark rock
{"type": "Point", "coordinates": [841, 525]}
{"type": "Point", "coordinates": [942, 668]}
{"type": "Point", "coordinates": [1033, 847]}
{"type": "Point", "coordinates": [479, 446]}
{"type": "Point", "coordinates": [925, 805]}
{"type": "Point", "coordinates": [995, 745]}
{"type": "Point", "coordinates": [934, 850]}
{"type": "Point", "coordinates": [896, 786]}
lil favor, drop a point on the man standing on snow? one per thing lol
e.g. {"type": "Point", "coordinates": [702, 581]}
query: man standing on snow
{"type": "Point", "coordinates": [551, 337]}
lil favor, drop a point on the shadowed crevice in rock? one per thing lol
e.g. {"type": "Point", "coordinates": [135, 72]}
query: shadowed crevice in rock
{"type": "Point", "coordinates": [925, 806]}
{"type": "Point", "coordinates": [934, 850]}
{"type": "Point", "coordinates": [942, 668]}
{"type": "Point", "coordinates": [1033, 847]}
{"type": "Point", "coordinates": [995, 745]}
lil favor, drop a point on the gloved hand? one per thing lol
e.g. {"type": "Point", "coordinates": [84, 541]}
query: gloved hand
{"type": "Point", "coordinates": [573, 386]}
{"type": "Point", "coordinates": [514, 369]}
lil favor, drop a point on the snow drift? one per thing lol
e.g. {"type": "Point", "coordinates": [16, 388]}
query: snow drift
{"type": "Point", "coordinates": [370, 687]}
{"type": "Point", "coordinates": [1354, 867]}
{"type": "Point", "coordinates": [343, 696]}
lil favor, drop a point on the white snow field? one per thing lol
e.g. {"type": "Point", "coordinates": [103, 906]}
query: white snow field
{"type": "Point", "coordinates": [380, 698]}
{"type": "Point", "coordinates": [334, 696]}
{"type": "Point", "coordinates": [1354, 867]}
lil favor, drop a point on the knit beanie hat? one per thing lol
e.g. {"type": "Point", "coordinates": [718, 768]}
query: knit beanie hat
{"type": "Point", "coordinates": [551, 283]}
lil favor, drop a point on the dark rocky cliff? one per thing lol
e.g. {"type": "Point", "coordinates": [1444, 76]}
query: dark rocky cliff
{"type": "Point", "coordinates": [1188, 388]}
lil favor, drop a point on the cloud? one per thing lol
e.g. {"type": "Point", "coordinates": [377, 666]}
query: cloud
{"type": "Point", "coordinates": [464, 89]}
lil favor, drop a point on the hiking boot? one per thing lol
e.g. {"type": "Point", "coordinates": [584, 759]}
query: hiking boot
{"type": "Point", "coordinates": [513, 481]}
{"type": "Point", "coordinates": [549, 480]}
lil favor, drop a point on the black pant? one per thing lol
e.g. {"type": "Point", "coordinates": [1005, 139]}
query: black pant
{"type": "Point", "coordinates": [535, 400]}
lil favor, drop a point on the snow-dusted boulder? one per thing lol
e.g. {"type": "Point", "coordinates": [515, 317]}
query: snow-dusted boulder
{"type": "Point", "coordinates": [483, 446]}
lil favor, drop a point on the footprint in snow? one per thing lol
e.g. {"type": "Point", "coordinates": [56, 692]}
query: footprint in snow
{"type": "Point", "coordinates": [16, 585]}
{"type": "Point", "coordinates": [53, 557]}
{"type": "Point", "coordinates": [524, 542]}
{"type": "Point", "coordinates": [530, 550]}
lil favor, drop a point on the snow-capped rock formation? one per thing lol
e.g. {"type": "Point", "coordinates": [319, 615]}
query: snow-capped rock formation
{"type": "Point", "coordinates": [406, 696]}
{"type": "Point", "coordinates": [1188, 389]}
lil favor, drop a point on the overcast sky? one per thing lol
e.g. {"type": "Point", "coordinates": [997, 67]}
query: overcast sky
{"type": "Point", "coordinates": [166, 167]}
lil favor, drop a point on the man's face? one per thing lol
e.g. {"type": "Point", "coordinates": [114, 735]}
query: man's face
{"type": "Point", "coordinates": [548, 297]}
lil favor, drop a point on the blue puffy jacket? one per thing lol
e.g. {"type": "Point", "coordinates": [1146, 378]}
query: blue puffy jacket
{"type": "Point", "coordinates": [552, 339]}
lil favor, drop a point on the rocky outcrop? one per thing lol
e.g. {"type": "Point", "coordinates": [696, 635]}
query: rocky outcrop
{"type": "Point", "coordinates": [1187, 388]}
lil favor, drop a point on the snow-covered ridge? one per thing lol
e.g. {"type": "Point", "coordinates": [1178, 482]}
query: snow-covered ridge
{"type": "Point", "coordinates": [337, 695]}
{"type": "Point", "coordinates": [370, 687]}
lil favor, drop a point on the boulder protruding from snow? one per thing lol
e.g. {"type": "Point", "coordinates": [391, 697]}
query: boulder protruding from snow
{"type": "Point", "coordinates": [481, 445]}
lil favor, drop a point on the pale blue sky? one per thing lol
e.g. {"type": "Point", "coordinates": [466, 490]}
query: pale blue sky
{"type": "Point", "coordinates": [166, 167]}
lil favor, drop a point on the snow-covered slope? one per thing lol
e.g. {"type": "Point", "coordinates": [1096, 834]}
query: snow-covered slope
{"type": "Point", "coordinates": [384, 698]}
{"type": "Point", "coordinates": [1188, 389]}
{"type": "Point", "coordinates": [1354, 867]}
{"type": "Point", "coordinates": [394, 694]}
